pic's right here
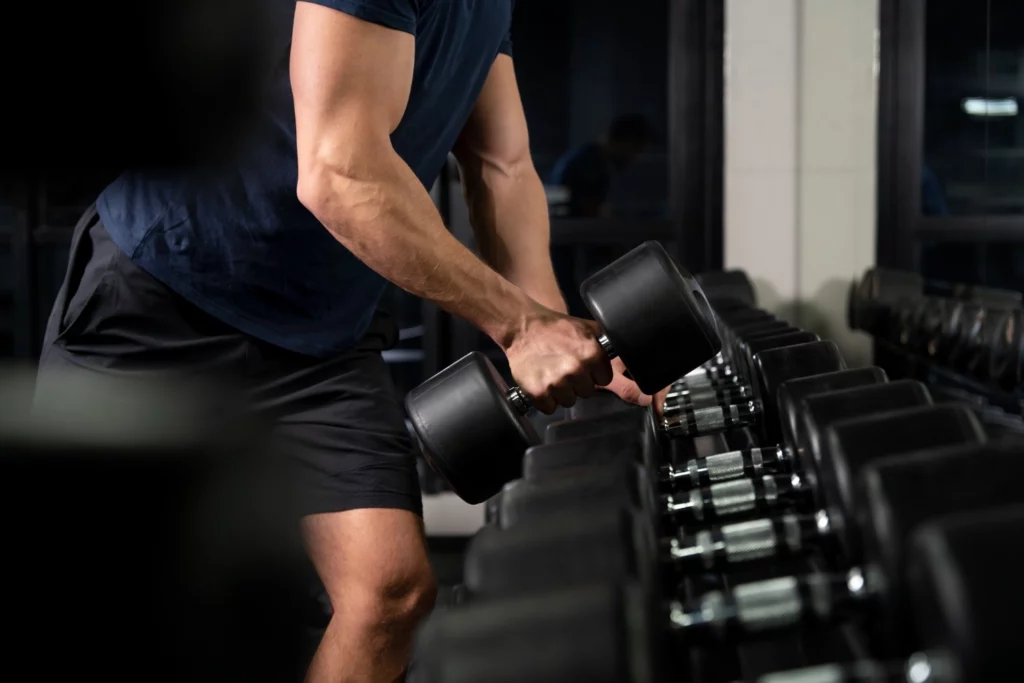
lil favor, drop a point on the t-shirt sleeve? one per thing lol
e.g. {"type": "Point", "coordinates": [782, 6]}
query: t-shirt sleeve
{"type": "Point", "coordinates": [397, 14]}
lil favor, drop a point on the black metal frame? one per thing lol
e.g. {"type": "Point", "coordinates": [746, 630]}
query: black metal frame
{"type": "Point", "coordinates": [696, 130]}
{"type": "Point", "coordinates": [25, 316]}
{"type": "Point", "coordinates": [901, 225]}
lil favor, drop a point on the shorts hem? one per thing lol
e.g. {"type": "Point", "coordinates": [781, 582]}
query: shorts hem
{"type": "Point", "coordinates": [326, 503]}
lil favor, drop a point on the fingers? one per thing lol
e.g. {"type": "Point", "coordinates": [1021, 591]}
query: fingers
{"type": "Point", "coordinates": [625, 388]}
{"type": "Point", "coordinates": [582, 385]}
{"type": "Point", "coordinates": [601, 369]}
{"type": "Point", "coordinates": [628, 391]}
{"type": "Point", "coordinates": [543, 403]}
{"type": "Point", "coordinates": [658, 401]}
{"type": "Point", "coordinates": [563, 394]}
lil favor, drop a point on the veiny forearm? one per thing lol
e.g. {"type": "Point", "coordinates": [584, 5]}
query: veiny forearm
{"type": "Point", "coordinates": [509, 212]}
{"type": "Point", "coordinates": [380, 212]}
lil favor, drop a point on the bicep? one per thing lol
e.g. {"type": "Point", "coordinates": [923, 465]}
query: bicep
{"type": "Point", "coordinates": [496, 133]}
{"type": "Point", "coordinates": [350, 79]}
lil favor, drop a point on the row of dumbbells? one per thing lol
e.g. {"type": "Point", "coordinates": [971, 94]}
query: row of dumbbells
{"type": "Point", "coordinates": [577, 579]}
{"type": "Point", "coordinates": [976, 331]}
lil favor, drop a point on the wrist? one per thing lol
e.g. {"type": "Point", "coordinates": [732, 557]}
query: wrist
{"type": "Point", "coordinates": [518, 312]}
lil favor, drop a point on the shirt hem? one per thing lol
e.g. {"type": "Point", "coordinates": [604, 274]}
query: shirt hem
{"type": "Point", "coordinates": [376, 15]}
{"type": "Point", "coordinates": [223, 313]}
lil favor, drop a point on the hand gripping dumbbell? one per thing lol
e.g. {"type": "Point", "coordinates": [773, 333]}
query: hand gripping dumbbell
{"type": "Point", "coordinates": [962, 581]}
{"type": "Point", "coordinates": [965, 583]}
{"type": "Point", "coordinates": [473, 428]}
{"type": "Point", "coordinates": [548, 552]}
{"type": "Point", "coordinates": [579, 444]}
{"type": "Point", "coordinates": [547, 491]}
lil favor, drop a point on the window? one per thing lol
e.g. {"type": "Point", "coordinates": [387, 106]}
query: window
{"type": "Point", "coordinates": [951, 140]}
{"type": "Point", "coordinates": [973, 153]}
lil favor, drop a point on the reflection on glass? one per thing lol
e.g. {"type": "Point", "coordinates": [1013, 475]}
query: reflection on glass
{"type": "Point", "coordinates": [593, 76]}
{"type": "Point", "coordinates": [585, 66]}
{"type": "Point", "coordinates": [990, 264]}
{"type": "Point", "coordinates": [586, 172]}
{"type": "Point", "coordinates": [973, 129]}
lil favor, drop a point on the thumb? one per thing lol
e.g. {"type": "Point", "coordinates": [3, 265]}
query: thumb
{"type": "Point", "coordinates": [628, 391]}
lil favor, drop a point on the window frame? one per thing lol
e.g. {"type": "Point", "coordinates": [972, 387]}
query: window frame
{"type": "Point", "coordinates": [901, 102]}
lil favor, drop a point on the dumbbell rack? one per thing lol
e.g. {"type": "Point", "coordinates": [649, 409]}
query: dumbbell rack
{"type": "Point", "coordinates": [747, 661]}
{"type": "Point", "coordinates": [905, 314]}
{"type": "Point", "coordinates": [994, 406]}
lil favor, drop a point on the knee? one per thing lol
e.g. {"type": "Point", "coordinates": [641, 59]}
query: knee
{"type": "Point", "coordinates": [401, 596]}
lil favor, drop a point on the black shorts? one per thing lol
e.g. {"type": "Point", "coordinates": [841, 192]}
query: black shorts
{"type": "Point", "coordinates": [338, 419]}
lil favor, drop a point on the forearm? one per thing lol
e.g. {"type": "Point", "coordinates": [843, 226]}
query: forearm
{"type": "Point", "coordinates": [509, 212]}
{"type": "Point", "coordinates": [380, 212]}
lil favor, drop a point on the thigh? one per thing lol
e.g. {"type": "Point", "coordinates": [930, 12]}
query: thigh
{"type": "Point", "coordinates": [362, 554]}
{"type": "Point", "coordinates": [340, 424]}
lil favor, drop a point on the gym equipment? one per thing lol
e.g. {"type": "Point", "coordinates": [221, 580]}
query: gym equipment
{"type": "Point", "coordinates": [654, 316]}
{"type": "Point", "coordinates": [529, 556]}
{"type": "Point", "coordinates": [963, 588]}
{"type": "Point", "coordinates": [877, 291]}
{"type": "Point", "coordinates": [1006, 355]}
{"type": "Point", "coordinates": [607, 632]}
{"type": "Point", "coordinates": [688, 398]}
{"type": "Point", "coordinates": [881, 290]}
{"type": "Point", "coordinates": [771, 368]}
{"type": "Point", "coordinates": [611, 441]}
{"type": "Point", "coordinates": [730, 285]}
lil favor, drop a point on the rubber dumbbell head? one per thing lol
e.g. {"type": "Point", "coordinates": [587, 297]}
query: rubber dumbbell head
{"type": "Point", "coordinates": [963, 586]}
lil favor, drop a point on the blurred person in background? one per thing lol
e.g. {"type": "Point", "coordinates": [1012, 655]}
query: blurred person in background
{"type": "Point", "coordinates": [587, 171]}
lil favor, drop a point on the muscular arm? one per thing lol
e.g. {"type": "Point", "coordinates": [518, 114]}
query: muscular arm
{"type": "Point", "coordinates": [351, 81]}
{"type": "Point", "coordinates": [508, 207]}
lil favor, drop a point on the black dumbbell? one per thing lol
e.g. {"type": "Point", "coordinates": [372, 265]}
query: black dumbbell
{"type": "Point", "coordinates": [1006, 356]}
{"type": "Point", "coordinates": [635, 440]}
{"type": "Point", "coordinates": [728, 286]}
{"type": "Point", "coordinates": [473, 428]}
{"type": "Point", "coordinates": [876, 293]}
{"type": "Point", "coordinates": [683, 397]}
{"type": "Point", "coordinates": [770, 369]}
{"type": "Point", "coordinates": [801, 362]}
{"type": "Point", "coordinates": [720, 368]}
{"type": "Point", "coordinates": [965, 582]}
{"type": "Point", "coordinates": [726, 368]}
{"type": "Point", "coordinates": [539, 553]}
{"type": "Point", "coordinates": [962, 578]}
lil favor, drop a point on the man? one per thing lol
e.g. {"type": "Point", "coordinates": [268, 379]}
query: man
{"type": "Point", "coordinates": [268, 271]}
{"type": "Point", "coordinates": [587, 172]}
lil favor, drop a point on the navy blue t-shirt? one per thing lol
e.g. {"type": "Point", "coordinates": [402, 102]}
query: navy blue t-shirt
{"type": "Point", "coordinates": [240, 246]}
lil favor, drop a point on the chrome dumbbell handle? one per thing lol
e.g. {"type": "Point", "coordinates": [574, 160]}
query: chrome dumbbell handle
{"type": "Point", "coordinates": [722, 546]}
{"type": "Point", "coordinates": [521, 402]}
{"type": "Point", "coordinates": [711, 420]}
{"type": "Point", "coordinates": [738, 464]}
{"type": "Point", "coordinates": [754, 496]}
{"type": "Point", "coordinates": [706, 397]}
{"type": "Point", "coordinates": [772, 604]}
{"type": "Point", "coordinates": [921, 667]}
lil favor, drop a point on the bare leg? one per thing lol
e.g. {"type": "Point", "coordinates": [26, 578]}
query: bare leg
{"type": "Point", "coordinates": [374, 565]}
